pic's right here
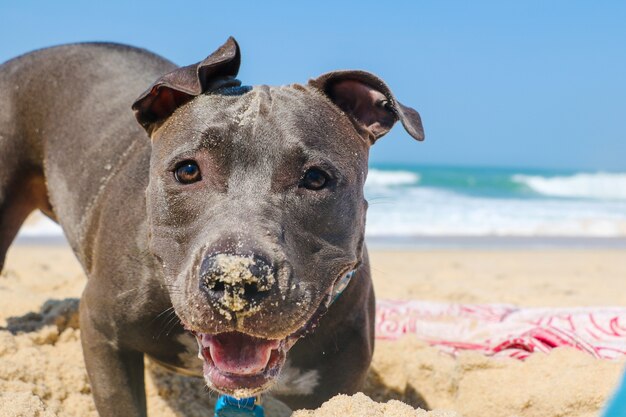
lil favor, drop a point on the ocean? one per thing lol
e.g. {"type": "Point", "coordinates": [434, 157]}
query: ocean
{"type": "Point", "coordinates": [416, 202]}
{"type": "Point", "coordinates": [413, 201]}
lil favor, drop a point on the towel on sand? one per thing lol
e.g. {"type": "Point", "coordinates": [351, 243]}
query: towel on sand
{"type": "Point", "coordinates": [505, 330]}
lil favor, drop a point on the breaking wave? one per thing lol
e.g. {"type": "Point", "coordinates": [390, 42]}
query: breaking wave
{"type": "Point", "coordinates": [597, 186]}
{"type": "Point", "coordinates": [380, 178]}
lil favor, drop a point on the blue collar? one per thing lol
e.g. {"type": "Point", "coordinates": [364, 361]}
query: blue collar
{"type": "Point", "coordinates": [227, 406]}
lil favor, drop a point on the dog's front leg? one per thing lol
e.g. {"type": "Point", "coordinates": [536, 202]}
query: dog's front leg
{"type": "Point", "coordinates": [116, 374]}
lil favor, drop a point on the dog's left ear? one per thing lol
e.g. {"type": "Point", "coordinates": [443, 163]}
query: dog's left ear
{"type": "Point", "coordinates": [178, 87]}
{"type": "Point", "coordinates": [369, 103]}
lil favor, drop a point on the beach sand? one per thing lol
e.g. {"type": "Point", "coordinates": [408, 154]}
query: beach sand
{"type": "Point", "coordinates": [42, 371]}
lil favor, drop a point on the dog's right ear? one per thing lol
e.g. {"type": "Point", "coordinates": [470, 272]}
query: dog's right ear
{"type": "Point", "coordinates": [178, 87]}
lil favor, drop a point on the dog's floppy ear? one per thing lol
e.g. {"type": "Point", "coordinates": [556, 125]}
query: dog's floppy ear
{"type": "Point", "coordinates": [369, 103]}
{"type": "Point", "coordinates": [176, 88]}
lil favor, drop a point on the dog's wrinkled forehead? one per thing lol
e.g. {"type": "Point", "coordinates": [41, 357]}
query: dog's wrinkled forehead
{"type": "Point", "coordinates": [246, 123]}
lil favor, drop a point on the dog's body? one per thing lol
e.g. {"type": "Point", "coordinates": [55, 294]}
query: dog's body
{"type": "Point", "coordinates": [71, 147]}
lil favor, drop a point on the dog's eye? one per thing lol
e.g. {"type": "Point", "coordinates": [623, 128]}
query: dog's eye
{"type": "Point", "coordinates": [187, 172]}
{"type": "Point", "coordinates": [314, 179]}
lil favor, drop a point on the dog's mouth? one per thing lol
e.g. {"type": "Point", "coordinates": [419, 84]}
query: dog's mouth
{"type": "Point", "coordinates": [239, 364]}
{"type": "Point", "coordinates": [243, 365]}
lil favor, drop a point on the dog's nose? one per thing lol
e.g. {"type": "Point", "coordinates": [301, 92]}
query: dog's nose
{"type": "Point", "coordinates": [237, 282]}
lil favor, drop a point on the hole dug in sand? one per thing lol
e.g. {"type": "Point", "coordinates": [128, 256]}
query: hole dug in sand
{"type": "Point", "coordinates": [61, 313]}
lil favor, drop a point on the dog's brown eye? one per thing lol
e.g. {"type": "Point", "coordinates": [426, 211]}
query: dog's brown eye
{"type": "Point", "coordinates": [314, 179]}
{"type": "Point", "coordinates": [187, 172]}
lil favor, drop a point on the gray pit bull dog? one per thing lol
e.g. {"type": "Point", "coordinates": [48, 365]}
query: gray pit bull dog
{"type": "Point", "coordinates": [217, 246]}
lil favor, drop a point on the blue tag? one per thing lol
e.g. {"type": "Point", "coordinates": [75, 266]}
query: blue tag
{"type": "Point", "coordinates": [232, 407]}
{"type": "Point", "coordinates": [341, 285]}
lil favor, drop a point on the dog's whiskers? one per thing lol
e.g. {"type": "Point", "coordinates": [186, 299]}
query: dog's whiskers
{"type": "Point", "coordinates": [170, 318]}
{"type": "Point", "coordinates": [166, 311]}
{"type": "Point", "coordinates": [174, 320]}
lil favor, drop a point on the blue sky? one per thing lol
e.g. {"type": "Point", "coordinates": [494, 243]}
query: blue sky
{"type": "Point", "coordinates": [498, 83]}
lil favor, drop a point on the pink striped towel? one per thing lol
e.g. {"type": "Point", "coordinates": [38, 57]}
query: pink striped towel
{"type": "Point", "coordinates": [505, 330]}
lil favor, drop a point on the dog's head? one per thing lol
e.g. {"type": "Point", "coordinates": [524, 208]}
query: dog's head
{"type": "Point", "coordinates": [255, 204]}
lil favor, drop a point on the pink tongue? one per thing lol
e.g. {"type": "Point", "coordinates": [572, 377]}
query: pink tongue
{"type": "Point", "coordinates": [240, 354]}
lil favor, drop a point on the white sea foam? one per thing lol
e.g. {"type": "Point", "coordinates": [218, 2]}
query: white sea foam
{"type": "Point", "coordinates": [379, 178]}
{"type": "Point", "coordinates": [424, 211]}
{"type": "Point", "coordinates": [40, 226]}
{"type": "Point", "coordinates": [596, 186]}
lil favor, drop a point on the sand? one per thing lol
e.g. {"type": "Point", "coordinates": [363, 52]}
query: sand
{"type": "Point", "coordinates": [42, 371]}
{"type": "Point", "coordinates": [361, 405]}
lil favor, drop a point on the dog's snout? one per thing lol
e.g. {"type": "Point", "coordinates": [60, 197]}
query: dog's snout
{"type": "Point", "coordinates": [236, 282]}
